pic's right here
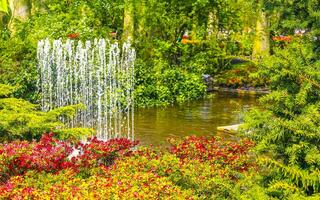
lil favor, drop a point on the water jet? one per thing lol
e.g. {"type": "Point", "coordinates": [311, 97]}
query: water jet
{"type": "Point", "coordinates": [98, 74]}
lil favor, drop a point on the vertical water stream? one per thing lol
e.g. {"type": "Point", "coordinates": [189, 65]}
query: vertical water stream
{"type": "Point", "coordinates": [97, 74]}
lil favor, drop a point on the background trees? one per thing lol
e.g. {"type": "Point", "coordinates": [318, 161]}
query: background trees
{"type": "Point", "coordinates": [217, 31]}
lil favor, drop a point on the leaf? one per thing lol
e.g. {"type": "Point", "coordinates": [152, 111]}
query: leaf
{"type": "Point", "coordinates": [6, 90]}
{"type": "Point", "coordinates": [4, 6]}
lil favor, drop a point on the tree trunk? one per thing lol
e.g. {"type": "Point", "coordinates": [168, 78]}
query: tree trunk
{"type": "Point", "coordinates": [20, 10]}
{"type": "Point", "coordinates": [194, 29]}
{"type": "Point", "coordinates": [128, 23]}
{"type": "Point", "coordinates": [2, 14]}
{"type": "Point", "coordinates": [261, 46]}
{"type": "Point", "coordinates": [212, 27]}
{"type": "Point", "coordinates": [142, 18]}
{"type": "Point", "coordinates": [38, 6]}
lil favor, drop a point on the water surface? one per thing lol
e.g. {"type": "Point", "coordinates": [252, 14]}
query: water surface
{"type": "Point", "coordinates": [202, 117]}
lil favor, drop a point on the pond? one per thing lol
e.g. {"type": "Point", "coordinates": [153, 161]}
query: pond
{"type": "Point", "coordinates": [155, 125]}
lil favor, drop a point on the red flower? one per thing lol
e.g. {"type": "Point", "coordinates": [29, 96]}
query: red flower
{"type": "Point", "coordinates": [282, 38]}
{"type": "Point", "coordinates": [212, 150]}
{"type": "Point", "coordinates": [73, 35]}
{"type": "Point", "coordinates": [51, 154]}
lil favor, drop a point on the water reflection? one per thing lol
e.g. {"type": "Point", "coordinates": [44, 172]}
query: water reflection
{"type": "Point", "coordinates": [155, 125]}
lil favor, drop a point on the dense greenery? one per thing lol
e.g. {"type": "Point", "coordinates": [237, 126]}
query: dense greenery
{"type": "Point", "coordinates": [287, 128]}
{"type": "Point", "coordinates": [20, 119]}
{"type": "Point", "coordinates": [158, 29]}
{"type": "Point", "coordinates": [218, 32]}
{"type": "Point", "coordinates": [240, 43]}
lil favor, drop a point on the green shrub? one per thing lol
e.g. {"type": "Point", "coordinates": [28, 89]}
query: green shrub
{"type": "Point", "coordinates": [169, 86]}
{"type": "Point", "coordinates": [20, 119]}
{"type": "Point", "coordinates": [286, 128]}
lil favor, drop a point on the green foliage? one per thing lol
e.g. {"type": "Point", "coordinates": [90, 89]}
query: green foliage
{"type": "Point", "coordinates": [4, 6]}
{"type": "Point", "coordinates": [158, 26]}
{"type": "Point", "coordinates": [6, 90]}
{"type": "Point", "coordinates": [18, 65]}
{"type": "Point", "coordinates": [287, 127]}
{"type": "Point", "coordinates": [240, 76]}
{"type": "Point", "coordinates": [167, 86]}
{"type": "Point", "coordinates": [20, 119]}
{"type": "Point", "coordinates": [51, 19]}
{"type": "Point", "coordinates": [294, 14]}
{"type": "Point", "coordinates": [74, 133]}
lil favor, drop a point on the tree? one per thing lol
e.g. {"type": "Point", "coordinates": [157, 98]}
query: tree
{"type": "Point", "coordinates": [20, 10]}
{"type": "Point", "coordinates": [128, 20]}
{"type": "Point", "coordinates": [261, 46]}
{"type": "Point", "coordinates": [4, 10]}
{"type": "Point", "coordinates": [4, 6]}
{"type": "Point", "coordinates": [287, 126]}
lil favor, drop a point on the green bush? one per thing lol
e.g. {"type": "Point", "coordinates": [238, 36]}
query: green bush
{"type": "Point", "coordinates": [168, 86]}
{"type": "Point", "coordinates": [287, 126]}
{"type": "Point", "coordinates": [20, 119]}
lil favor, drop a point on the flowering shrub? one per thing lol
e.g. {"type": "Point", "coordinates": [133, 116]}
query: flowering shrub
{"type": "Point", "coordinates": [73, 35]}
{"type": "Point", "coordinates": [194, 168]}
{"type": "Point", "coordinates": [120, 184]}
{"type": "Point", "coordinates": [104, 152]}
{"type": "Point", "coordinates": [214, 151]}
{"type": "Point", "coordinates": [51, 155]}
{"type": "Point", "coordinates": [282, 38]}
{"type": "Point", "coordinates": [135, 177]}
{"type": "Point", "coordinates": [202, 179]}
{"type": "Point", "coordinates": [48, 155]}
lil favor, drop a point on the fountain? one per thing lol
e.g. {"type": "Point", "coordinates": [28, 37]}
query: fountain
{"type": "Point", "coordinates": [97, 74]}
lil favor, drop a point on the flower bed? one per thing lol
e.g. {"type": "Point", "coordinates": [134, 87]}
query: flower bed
{"type": "Point", "coordinates": [193, 168]}
{"type": "Point", "coordinates": [51, 154]}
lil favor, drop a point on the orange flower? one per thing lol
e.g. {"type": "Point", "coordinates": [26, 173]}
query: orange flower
{"type": "Point", "coordinates": [73, 35]}
{"type": "Point", "coordinates": [282, 38]}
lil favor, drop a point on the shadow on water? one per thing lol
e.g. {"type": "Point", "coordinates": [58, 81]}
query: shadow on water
{"type": "Point", "coordinates": [202, 117]}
